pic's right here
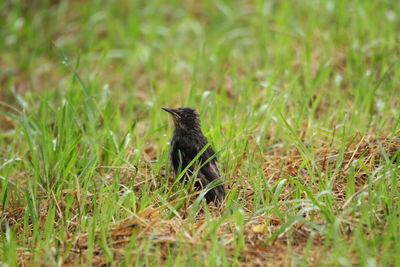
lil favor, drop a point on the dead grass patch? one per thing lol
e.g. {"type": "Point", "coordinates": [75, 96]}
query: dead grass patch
{"type": "Point", "coordinates": [262, 245]}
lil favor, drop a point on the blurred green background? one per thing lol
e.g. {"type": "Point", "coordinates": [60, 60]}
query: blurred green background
{"type": "Point", "coordinates": [84, 142]}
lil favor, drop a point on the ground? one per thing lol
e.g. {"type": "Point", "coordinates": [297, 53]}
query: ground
{"type": "Point", "coordinates": [299, 99]}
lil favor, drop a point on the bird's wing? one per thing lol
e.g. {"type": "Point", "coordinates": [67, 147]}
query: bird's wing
{"type": "Point", "coordinates": [210, 169]}
{"type": "Point", "coordinates": [184, 150]}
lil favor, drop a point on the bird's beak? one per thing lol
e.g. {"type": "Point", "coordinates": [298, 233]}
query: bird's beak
{"type": "Point", "coordinates": [172, 112]}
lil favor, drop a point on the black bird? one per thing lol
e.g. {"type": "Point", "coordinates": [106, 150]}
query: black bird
{"type": "Point", "coordinates": [187, 141]}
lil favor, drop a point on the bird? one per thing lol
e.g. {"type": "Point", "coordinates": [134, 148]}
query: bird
{"type": "Point", "coordinates": [187, 141]}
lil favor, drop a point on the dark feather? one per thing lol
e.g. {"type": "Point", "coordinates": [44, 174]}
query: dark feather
{"type": "Point", "coordinates": [187, 141]}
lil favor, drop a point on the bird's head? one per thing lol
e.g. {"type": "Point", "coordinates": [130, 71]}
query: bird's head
{"type": "Point", "coordinates": [184, 118]}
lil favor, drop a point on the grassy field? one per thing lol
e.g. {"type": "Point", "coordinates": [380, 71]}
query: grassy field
{"type": "Point", "coordinates": [300, 99]}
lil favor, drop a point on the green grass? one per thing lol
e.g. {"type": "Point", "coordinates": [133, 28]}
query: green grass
{"type": "Point", "coordinates": [300, 99]}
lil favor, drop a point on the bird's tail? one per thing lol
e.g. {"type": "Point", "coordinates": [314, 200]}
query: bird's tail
{"type": "Point", "coordinates": [215, 190]}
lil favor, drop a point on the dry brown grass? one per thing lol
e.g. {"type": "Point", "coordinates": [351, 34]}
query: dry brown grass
{"type": "Point", "coordinates": [164, 233]}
